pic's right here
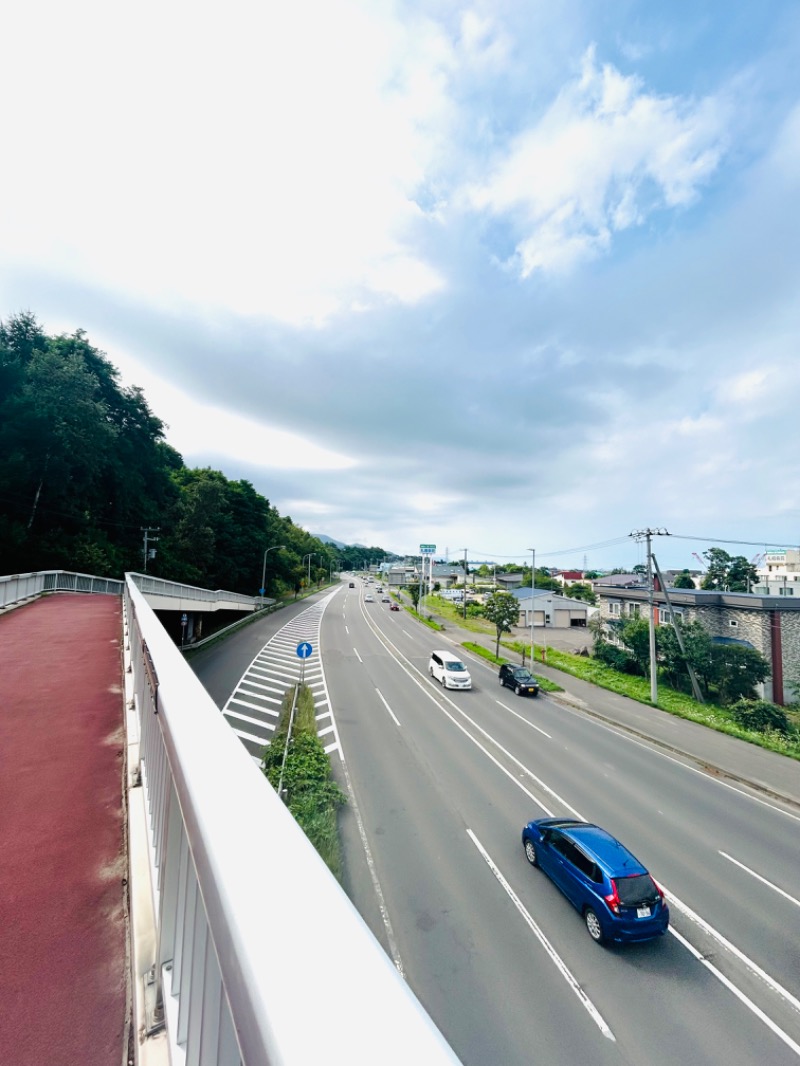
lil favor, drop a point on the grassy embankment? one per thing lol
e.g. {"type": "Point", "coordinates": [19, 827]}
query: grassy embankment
{"type": "Point", "coordinates": [635, 688]}
{"type": "Point", "coordinates": [677, 703]}
{"type": "Point", "coordinates": [309, 791]}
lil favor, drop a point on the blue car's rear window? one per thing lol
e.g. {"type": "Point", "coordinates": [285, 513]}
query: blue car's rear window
{"type": "Point", "coordinates": [636, 889]}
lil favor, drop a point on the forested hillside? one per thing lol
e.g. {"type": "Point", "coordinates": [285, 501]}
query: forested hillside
{"type": "Point", "coordinates": [85, 467]}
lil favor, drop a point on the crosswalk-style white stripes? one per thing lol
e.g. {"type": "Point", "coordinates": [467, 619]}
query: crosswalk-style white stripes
{"type": "Point", "coordinates": [254, 706]}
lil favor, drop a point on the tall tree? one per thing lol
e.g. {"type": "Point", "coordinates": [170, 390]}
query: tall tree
{"type": "Point", "coordinates": [502, 610]}
{"type": "Point", "coordinates": [728, 573]}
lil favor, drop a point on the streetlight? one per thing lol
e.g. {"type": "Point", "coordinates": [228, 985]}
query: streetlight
{"type": "Point", "coordinates": [330, 569]}
{"type": "Point", "coordinates": [274, 547]}
{"type": "Point", "coordinates": [533, 601]}
{"type": "Point", "coordinates": [309, 565]}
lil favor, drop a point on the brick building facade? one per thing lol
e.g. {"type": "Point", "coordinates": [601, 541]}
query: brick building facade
{"type": "Point", "coordinates": [770, 624]}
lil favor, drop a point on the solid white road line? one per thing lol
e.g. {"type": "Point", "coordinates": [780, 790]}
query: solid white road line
{"type": "Point", "coordinates": [388, 708]}
{"type": "Point", "coordinates": [738, 993]}
{"type": "Point", "coordinates": [522, 718]}
{"type": "Point", "coordinates": [565, 972]}
{"type": "Point", "coordinates": [357, 655]}
{"type": "Point", "coordinates": [672, 898]}
{"type": "Point", "coordinates": [758, 877]}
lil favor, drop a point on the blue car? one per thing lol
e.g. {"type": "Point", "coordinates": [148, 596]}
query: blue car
{"type": "Point", "coordinates": [608, 886]}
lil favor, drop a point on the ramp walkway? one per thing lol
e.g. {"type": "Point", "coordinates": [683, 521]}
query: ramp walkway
{"type": "Point", "coordinates": [63, 968]}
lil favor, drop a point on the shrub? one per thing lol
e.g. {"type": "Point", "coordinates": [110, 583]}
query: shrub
{"type": "Point", "coordinates": [616, 658]}
{"type": "Point", "coordinates": [760, 715]}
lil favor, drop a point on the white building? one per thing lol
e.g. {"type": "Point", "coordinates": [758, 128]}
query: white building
{"type": "Point", "coordinates": [779, 573]}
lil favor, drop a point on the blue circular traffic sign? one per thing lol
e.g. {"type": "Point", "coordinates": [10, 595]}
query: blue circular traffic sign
{"type": "Point", "coordinates": [304, 650]}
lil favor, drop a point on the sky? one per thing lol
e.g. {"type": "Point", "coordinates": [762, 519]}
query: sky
{"type": "Point", "coordinates": [492, 276]}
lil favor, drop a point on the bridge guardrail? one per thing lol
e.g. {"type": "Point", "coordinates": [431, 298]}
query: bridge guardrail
{"type": "Point", "coordinates": [259, 956]}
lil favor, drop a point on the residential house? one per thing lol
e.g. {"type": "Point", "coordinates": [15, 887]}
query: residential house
{"type": "Point", "coordinates": [770, 624]}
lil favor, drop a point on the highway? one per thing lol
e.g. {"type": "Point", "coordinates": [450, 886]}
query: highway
{"type": "Point", "coordinates": [441, 785]}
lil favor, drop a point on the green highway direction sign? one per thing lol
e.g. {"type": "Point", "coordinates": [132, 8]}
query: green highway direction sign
{"type": "Point", "coordinates": [427, 549]}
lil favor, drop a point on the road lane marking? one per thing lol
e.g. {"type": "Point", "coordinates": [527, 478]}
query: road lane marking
{"type": "Point", "coordinates": [754, 968]}
{"type": "Point", "coordinates": [357, 655]}
{"type": "Point", "coordinates": [388, 708]}
{"type": "Point", "coordinates": [758, 877]}
{"type": "Point", "coordinates": [655, 750]}
{"type": "Point", "coordinates": [738, 993]}
{"type": "Point", "coordinates": [522, 718]}
{"type": "Point", "coordinates": [740, 955]}
{"type": "Point", "coordinates": [347, 630]}
{"type": "Point", "coordinates": [562, 967]}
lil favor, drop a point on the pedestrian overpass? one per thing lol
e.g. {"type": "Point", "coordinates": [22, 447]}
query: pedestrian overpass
{"type": "Point", "coordinates": [244, 949]}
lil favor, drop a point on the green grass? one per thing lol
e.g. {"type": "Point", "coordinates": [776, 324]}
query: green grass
{"type": "Point", "coordinates": [450, 612]}
{"type": "Point", "coordinates": [311, 794]}
{"type": "Point", "coordinates": [677, 703]}
{"type": "Point", "coordinates": [477, 649]}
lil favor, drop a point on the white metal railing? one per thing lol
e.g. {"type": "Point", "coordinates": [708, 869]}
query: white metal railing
{"type": "Point", "coordinates": [157, 586]}
{"type": "Point", "coordinates": [259, 956]}
{"type": "Point", "coordinates": [17, 587]}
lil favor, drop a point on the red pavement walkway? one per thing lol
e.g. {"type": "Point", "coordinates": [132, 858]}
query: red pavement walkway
{"type": "Point", "coordinates": [63, 971]}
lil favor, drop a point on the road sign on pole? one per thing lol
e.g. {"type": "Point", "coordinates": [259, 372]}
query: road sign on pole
{"type": "Point", "coordinates": [427, 549]}
{"type": "Point", "coordinates": [304, 650]}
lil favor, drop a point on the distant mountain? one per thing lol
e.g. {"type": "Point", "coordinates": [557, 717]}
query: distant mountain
{"type": "Point", "coordinates": [335, 543]}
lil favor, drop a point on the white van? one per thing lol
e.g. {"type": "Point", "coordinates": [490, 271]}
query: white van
{"type": "Point", "coordinates": [449, 670]}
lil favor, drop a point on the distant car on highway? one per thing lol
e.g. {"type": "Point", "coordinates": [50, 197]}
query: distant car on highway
{"type": "Point", "coordinates": [352, 584]}
{"type": "Point", "coordinates": [369, 599]}
{"type": "Point", "coordinates": [606, 884]}
{"type": "Point", "coordinates": [394, 607]}
{"type": "Point", "coordinates": [520, 679]}
{"type": "Point", "coordinates": [385, 599]}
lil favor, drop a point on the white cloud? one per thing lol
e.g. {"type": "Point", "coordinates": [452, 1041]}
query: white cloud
{"type": "Point", "coordinates": [262, 163]}
{"type": "Point", "coordinates": [604, 156]}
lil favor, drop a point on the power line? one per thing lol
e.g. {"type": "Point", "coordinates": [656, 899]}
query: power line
{"type": "Point", "coordinates": [721, 540]}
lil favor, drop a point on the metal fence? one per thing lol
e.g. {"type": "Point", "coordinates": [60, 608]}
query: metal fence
{"type": "Point", "coordinates": [17, 587]}
{"type": "Point", "coordinates": [259, 956]}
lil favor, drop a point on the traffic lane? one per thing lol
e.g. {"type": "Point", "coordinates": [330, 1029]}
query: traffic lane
{"type": "Point", "coordinates": [471, 972]}
{"type": "Point", "coordinates": [220, 667]}
{"type": "Point", "coordinates": [639, 1001]}
{"type": "Point", "coordinates": [675, 820]}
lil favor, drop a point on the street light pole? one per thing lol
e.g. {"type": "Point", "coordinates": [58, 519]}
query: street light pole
{"type": "Point", "coordinates": [274, 547]}
{"type": "Point", "coordinates": [533, 602]}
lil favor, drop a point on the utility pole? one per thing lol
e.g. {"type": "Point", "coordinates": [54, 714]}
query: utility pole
{"type": "Point", "coordinates": [465, 584]}
{"type": "Point", "coordinates": [148, 552]}
{"type": "Point", "coordinates": [648, 534]}
{"type": "Point", "coordinates": [533, 600]}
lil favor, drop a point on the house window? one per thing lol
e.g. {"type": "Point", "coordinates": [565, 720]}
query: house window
{"type": "Point", "coordinates": [785, 592]}
{"type": "Point", "coordinates": [733, 623]}
{"type": "Point", "coordinates": [615, 609]}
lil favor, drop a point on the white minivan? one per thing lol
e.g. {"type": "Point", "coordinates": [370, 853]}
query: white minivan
{"type": "Point", "coordinates": [449, 670]}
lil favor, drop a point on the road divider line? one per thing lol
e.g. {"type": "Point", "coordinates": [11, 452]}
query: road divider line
{"type": "Point", "coordinates": [740, 955]}
{"type": "Point", "coordinates": [522, 718]}
{"type": "Point", "coordinates": [561, 966]}
{"type": "Point", "coordinates": [357, 655]}
{"type": "Point", "coordinates": [738, 993]}
{"type": "Point", "coordinates": [388, 708]}
{"type": "Point", "coordinates": [758, 877]}
{"type": "Point", "coordinates": [410, 670]}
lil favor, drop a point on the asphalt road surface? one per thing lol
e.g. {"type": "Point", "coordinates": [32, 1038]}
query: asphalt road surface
{"type": "Point", "coordinates": [441, 784]}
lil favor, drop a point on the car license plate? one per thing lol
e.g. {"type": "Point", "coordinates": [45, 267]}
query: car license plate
{"type": "Point", "coordinates": [642, 912]}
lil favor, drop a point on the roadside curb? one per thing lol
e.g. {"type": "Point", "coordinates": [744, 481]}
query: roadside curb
{"type": "Point", "coordinates": [718, 771]}
{"type": "Point", "coordinates": [576, 703]}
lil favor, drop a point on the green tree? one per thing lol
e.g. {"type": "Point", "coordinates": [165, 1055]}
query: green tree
{"type": "Point", "coordinates": [635, 635]}
{"type": "Point", "coordinates": [502, 610]}
{"type": "Point", "coordinates": [736, 670]}
{"type": "Point", "coordinates": [413, 591]}
{"type": "Point", "coordinates": [728, 572]}
{"type": "Point", "coordinates": [581, 591]}
{"type": "Point", "coordinates": [683, 580]}
{"type": "Point", "coordinates": [697, 642]}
